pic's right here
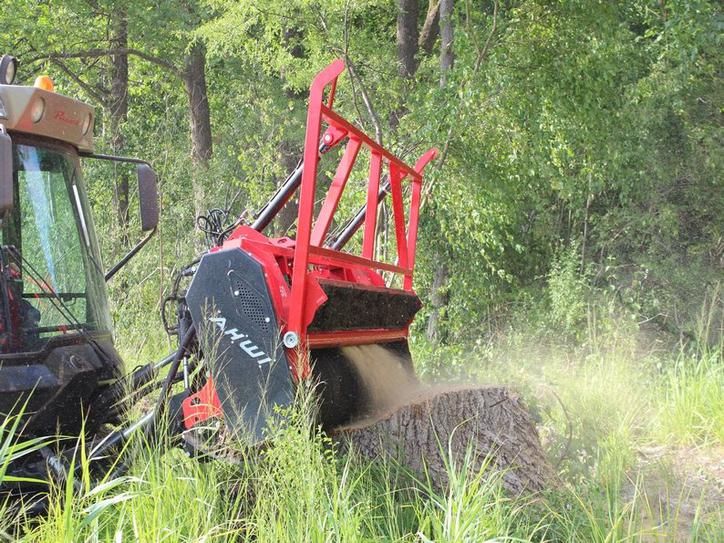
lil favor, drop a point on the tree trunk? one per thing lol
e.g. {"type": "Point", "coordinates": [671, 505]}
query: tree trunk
{"type": "Point", "coordinates": [118, 106]}
{"type": "Point", "coordinates": [430, 28]}
{"type": "Point", "coordinates": [446, 39]}
{"type": "Point", "coordinates": [407, 46]}
{"type": "Point", "coordinates": [199, 113]}
{"type": "Point", "coordinates": [438, 291]}
{"type": "Point", "coordinates": [194, 76]}
{"type": "Point", "coordinates": [438, 427]}
{"type": "Point", "coordinates": [407, 36]}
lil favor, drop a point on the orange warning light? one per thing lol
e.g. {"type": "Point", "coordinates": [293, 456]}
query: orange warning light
{"type": "Point", "coordinates": [44, 82]}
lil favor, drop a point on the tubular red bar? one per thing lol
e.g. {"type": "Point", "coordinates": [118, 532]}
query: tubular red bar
{"type": "Point", "coordinates": [414, 220]}
{"type": "Point", "coordinates": [335, 192]}
{"type": "Point", "coordinates": [331, 257]}
{"type": "Point", "coordinates": [398, 211]}
{"type": "Point", "coordinates": [319, 340]}
{"type": "Point", "coordinates": [307, 259]}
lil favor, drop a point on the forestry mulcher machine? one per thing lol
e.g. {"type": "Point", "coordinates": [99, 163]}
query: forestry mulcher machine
{"type": "Point", "coordinates": [254, 315]}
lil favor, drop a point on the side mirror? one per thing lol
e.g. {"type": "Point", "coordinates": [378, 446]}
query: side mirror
{"type": "Point", "coordinates": [148, 196]}
{"type": "Point", "coordinates": [6, 171]}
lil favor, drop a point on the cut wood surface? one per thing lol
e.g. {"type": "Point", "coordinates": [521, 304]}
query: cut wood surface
{"type": "Point", "coordinates": [436, 426]}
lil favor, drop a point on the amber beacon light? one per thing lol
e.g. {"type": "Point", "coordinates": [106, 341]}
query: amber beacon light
{"type": "Point", "coordinates": [44, 82]}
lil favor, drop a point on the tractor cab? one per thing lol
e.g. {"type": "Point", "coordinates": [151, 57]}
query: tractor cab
{"type": "Point", "coordinates": [52, 285]}
{"type": "Point", "coordinates": [56, 350]}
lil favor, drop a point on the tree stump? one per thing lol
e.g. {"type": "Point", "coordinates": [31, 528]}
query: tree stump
{"type": "Point", "coordinates": [438, 426]}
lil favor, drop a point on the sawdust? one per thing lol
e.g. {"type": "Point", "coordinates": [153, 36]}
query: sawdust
{"type": "Point", "coordinates": [385, 376]}
{"type": "Point", "coordinates": [390, 383]}
{"type": "Point", "coordinates": [413, 396]}
{"type": "Point", "coordinates": [389, 380]}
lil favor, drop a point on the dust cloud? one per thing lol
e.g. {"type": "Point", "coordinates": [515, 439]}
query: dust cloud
{"type": "Point", "coordinates": [390, 382]}
{"type": "Point", "coordinates": [384, 374]}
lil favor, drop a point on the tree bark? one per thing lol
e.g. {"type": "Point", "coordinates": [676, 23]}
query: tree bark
{"type": "Point", "coordinates": [446, 39]}
{"type": "Point", "coordinates": [438, 291]}
{"type": "Point", "coordinates": [199, 113]}
{"type": "Point", "coordinates": [430, 28]}
{"type": "Point", "coordinates": [438, 427]}
{"type": "Point", "coordinates": [118, 107]}
{"type": "Point", "coordinates": [194, 77]}
{"type": "Point", "coordinates": [407, 36]}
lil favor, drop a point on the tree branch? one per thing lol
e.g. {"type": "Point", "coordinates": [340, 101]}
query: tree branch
{"type": "Point", "coordinates": [482, 55]}
{"type": "Point", "coordinates": [95, 53]}
{"type": "Point", "coordinates": [366, 99]}
{"type": "Point", "coordinates": [345, 54]}
{"type": "Point", "coordinates": [93, 93]}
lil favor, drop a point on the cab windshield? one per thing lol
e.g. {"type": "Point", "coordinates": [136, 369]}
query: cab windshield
{"type": "Point", "coordinates": [52, 281]}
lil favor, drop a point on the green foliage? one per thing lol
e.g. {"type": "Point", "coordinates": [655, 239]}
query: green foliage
{"type": "Point", "coordinates": [567, 292]}
{"type": "Point", "coordinates": [588, 121]}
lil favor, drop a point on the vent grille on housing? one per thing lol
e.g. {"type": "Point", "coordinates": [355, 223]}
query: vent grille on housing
{"type": "Point", "coordinates": [251, 305]}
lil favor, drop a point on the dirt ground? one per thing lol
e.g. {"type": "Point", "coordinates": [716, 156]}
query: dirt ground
{"type": "Point", "coordinates": [680, 486]}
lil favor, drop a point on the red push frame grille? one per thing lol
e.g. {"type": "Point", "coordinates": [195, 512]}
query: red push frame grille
{"type": "Point", "coordinates": [309, 247]}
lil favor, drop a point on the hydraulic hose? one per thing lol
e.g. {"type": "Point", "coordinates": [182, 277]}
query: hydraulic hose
{"type": "Point", "coordinates": [173, 370]}
{"type": "Point", "coordinates": [149, 421]}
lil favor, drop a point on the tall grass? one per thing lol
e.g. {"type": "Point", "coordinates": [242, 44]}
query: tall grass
{"type": "Point", "coordinates": [601, 403]}
{"type": "Point", "coordinates": [13, 449]}
{"type": "Point", "coordinates": [692, 410]}
{"type": "Point", "coordinates": [597, 408]}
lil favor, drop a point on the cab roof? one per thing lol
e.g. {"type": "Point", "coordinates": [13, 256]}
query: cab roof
{"type": "Point", "coordinates": [35, 111]}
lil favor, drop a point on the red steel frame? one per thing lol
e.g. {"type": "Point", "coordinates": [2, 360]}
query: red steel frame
{"type": "Point", "coordinates": [307, 260]}
{"type": "Point", "coordinates": [310, 235]}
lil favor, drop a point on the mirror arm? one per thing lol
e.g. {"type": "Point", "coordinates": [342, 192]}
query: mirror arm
{"type": "Point", "coordinates": [129, 255]}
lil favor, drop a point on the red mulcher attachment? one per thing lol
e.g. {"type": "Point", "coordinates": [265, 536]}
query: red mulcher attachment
{"type": "Point", "coordinates": [265, 308]}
